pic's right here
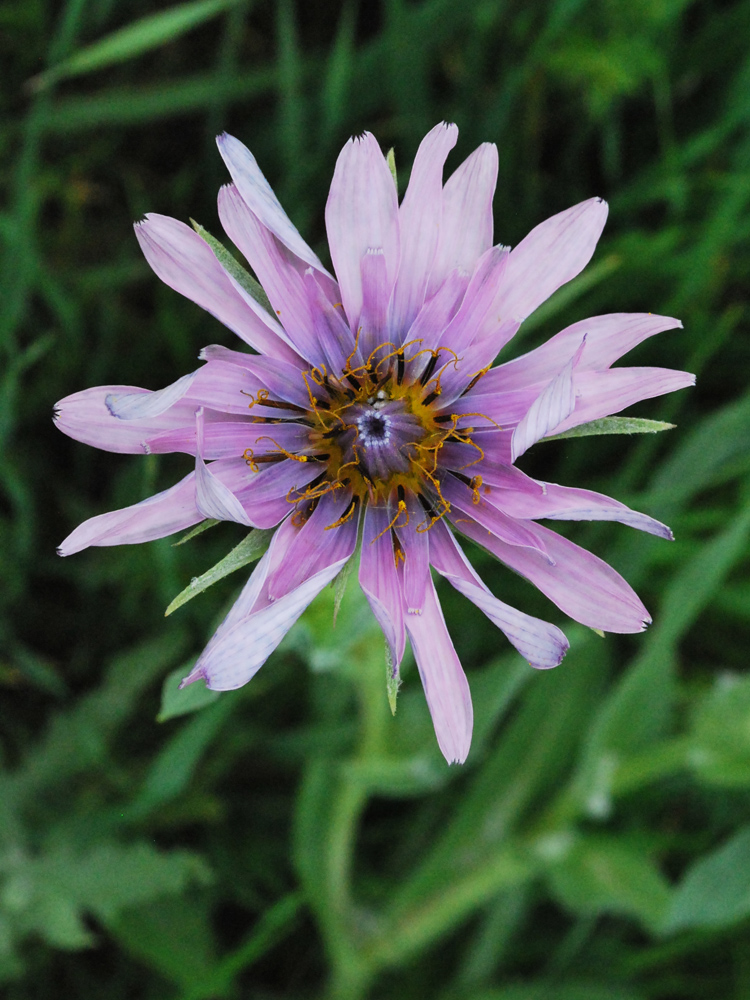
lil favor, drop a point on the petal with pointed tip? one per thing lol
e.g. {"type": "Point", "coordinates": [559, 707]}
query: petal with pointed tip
{"type": "Point", "coordinates": [173, 510]}
{"type": "Point", "coordinates": [361, 212]}
{"type": "Point", "coordinates": [466, 224]}
{"type": "Point", "coordinates": [259, 197]}
{"type": "Point", "coordinates": [539, 642]}
{"type": "Point", "coordinates": [186, 263]}
{"type": "Point", "coordinates": [554, 252]}
{"type": "Point", "coordinates": [420, 217]}
{"type": "Point", "coordinates": [578, 582]}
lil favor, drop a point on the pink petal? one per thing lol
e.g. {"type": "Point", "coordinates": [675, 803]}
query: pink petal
{"type": "Point", "coordinates": [477, 312]}
{"type": "Point", "coordinates": [598, 394]}
{"type": "Point", "coordinates": [416, 549]}
{"type": "Point", "coordinates": [553, 253]}
{"type": "Point", "coordinates": [317, 544]}
{"type": "Point", "coordinates": [542, 644]}
{"type": "Point", "coordinates": [579, 583]}
{"type": "Point", "coordinates": [420, 222]}
{"type": "Point", "coordinates": [548, 410]}
{"type": "Point", "coordinates": [466, 227]}
{"type": "Point", "coordinates": [563, 503]}
{"type": "Point", "coordinates": [332, 333]}
{"type": "Point", "coordinates": [232, 438]}
{"type": "Point", "coordinates": [258, 195]}
{"type": "Point", "coordinates": [375, 294]}
{"type": "Point", "coordinates": [361, 213]}
{"type": "Point", "coordinates": [380, 581]}
{"type": "Point", "coordinates": [213, 498]}
{"type": "Point", "coordinates": [237, 655]}
{"type": "Point", "coordinates": [607, 339]}
{"type": "Point", "coordinates": [509, 529]}
{"type": "Point", "coordinates": [219, 385]}
{"type": "Point", "coordinates": [186, 263]}
{"type": "Point", "coordinates": [444, 682]}
{"type": "Point", "coordinates": [279, 271]}
{"type": "Point", "coordinates": [173, 510]}
{"type": "Point", "coordinates": [85, 417]}
{"type": "Point", "coordinates": [257, 623]}
{"type": "Point", "coordinates": [433, 319]}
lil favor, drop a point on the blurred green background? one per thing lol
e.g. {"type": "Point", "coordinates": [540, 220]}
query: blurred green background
{"type": "Point", "coordinates": [292, 839]}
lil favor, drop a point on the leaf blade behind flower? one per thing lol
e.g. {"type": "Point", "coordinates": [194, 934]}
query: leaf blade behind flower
{"type": "Point", "coordinates": [250, 548]}
{"type": "Point", "coordinates": [613, 425]}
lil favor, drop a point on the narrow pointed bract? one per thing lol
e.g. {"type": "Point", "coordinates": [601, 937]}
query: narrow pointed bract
{"type": "Point", "coordinates": [371, 412]}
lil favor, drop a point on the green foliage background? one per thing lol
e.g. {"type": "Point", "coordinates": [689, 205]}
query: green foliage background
{"type": "Point", "coordinates": [292, 839]}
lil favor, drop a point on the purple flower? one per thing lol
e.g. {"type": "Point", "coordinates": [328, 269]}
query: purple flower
{"type": "Point", "coordinates": [371, 411]}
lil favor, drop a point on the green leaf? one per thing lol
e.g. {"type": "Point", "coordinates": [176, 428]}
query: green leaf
{"type": "Point", "coordinates": [250, 548]}
{"type": "Point", "coordinates": [340, 584]}
{"type": "Point", "coordinates": [197, 530]}
{"type": "Point", "coordinates": [52, 892]}
{"type": "Point", "coordinates": [391, 161]}
{"type": "Point", "coordinates": [715, 891]}
{"type": "Point", "coordinates": [243, 278]}
{"type": "Point", "coordinates": [613, 425]}
{"type": "Point", "coordinates": [180, 701]}
{"type": "Point", "coordinates": [392, 680]}
{"type": "Point", "coordinates": [132, 40]}
{"type": "Point", "coordinates": [599, 874]}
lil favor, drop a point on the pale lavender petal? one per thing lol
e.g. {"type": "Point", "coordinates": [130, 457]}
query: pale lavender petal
{"type": "Point", "coordinates": [503, 409]}
{"type": "Point", "coordinates": [598, 394]}
{"type": "Point", "coordinates": [511, 530]}
{"type": "Point", "coordinates": [548, 410]}
{"type": "Point", "coordinates": [232, 438]}
{"type": "Point", "coordinates": [553, 253]}
{"type": "Point", "coordinates": [361, 212]}
{"type": "Point", "coordinates": [335, 339]}
{"type": "Point", "coordinates": [579, 583]}
{"type": "Point", "coordinates": [137, 406]}
{"type": "Point", "coordinates": [420, 217]}
{"type": "Point", "coordinates": [219, 385]}
{"type": "Point", "coordinates": [258, 195]}
{"type": "Point", "coordinates": [433, 319]}
{"type": "Point", "coordinates": [535, 500]}
{"type": "Point", "coordinates": [539, 642]}
{"type": "Point", "coordinates": [85, 417]}
{"type": "Point", "coordinates": [284, 381]}
{"type": "Point", "coordinates": [416, 550]}
{"type": "Point", "coordinates": [237, 655]}
{"type": "Point", "coordinates": [466, 226]}
{"type": "Point", "coordinates": [186, 263]}
{"type": "Point", "coordinates": [375, 293]}
{"type": "Point", "coordinates": [173, 510]}
{"type": "Point", "coordinates": [489, 445]}
{"type": "Point", "coordinates": [477, 312]}
{"type": "Point", "coordinates": [444, 682]}
{"type": "Point", "coordinates": [213, 498]}
{"type": "Point", "coordinates": [317, 544]}
{"type": "Point", "coordinates": [279, 271]}
{"type": "Point", "coordinates": [607, 339]}
{"type": "Point", "coordinates": [380, 581]}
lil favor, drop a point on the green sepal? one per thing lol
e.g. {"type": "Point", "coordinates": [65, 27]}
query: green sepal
{"type": "Point", "coordinates": [391, 161]}
{"type": "Point", "coordinates": [233, 268]}
{"type": "Point", "coordinates": [392, 679]}
{"type": "Point", "coordinates": [250, 548]}
{"type": "Point", "coordinates": [613, 425]}
{"type": "Point", "coordinates": [197, 530]}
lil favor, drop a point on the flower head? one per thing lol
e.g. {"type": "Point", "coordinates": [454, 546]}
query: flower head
{"type": "Point", "coordinates": [371, 411]}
